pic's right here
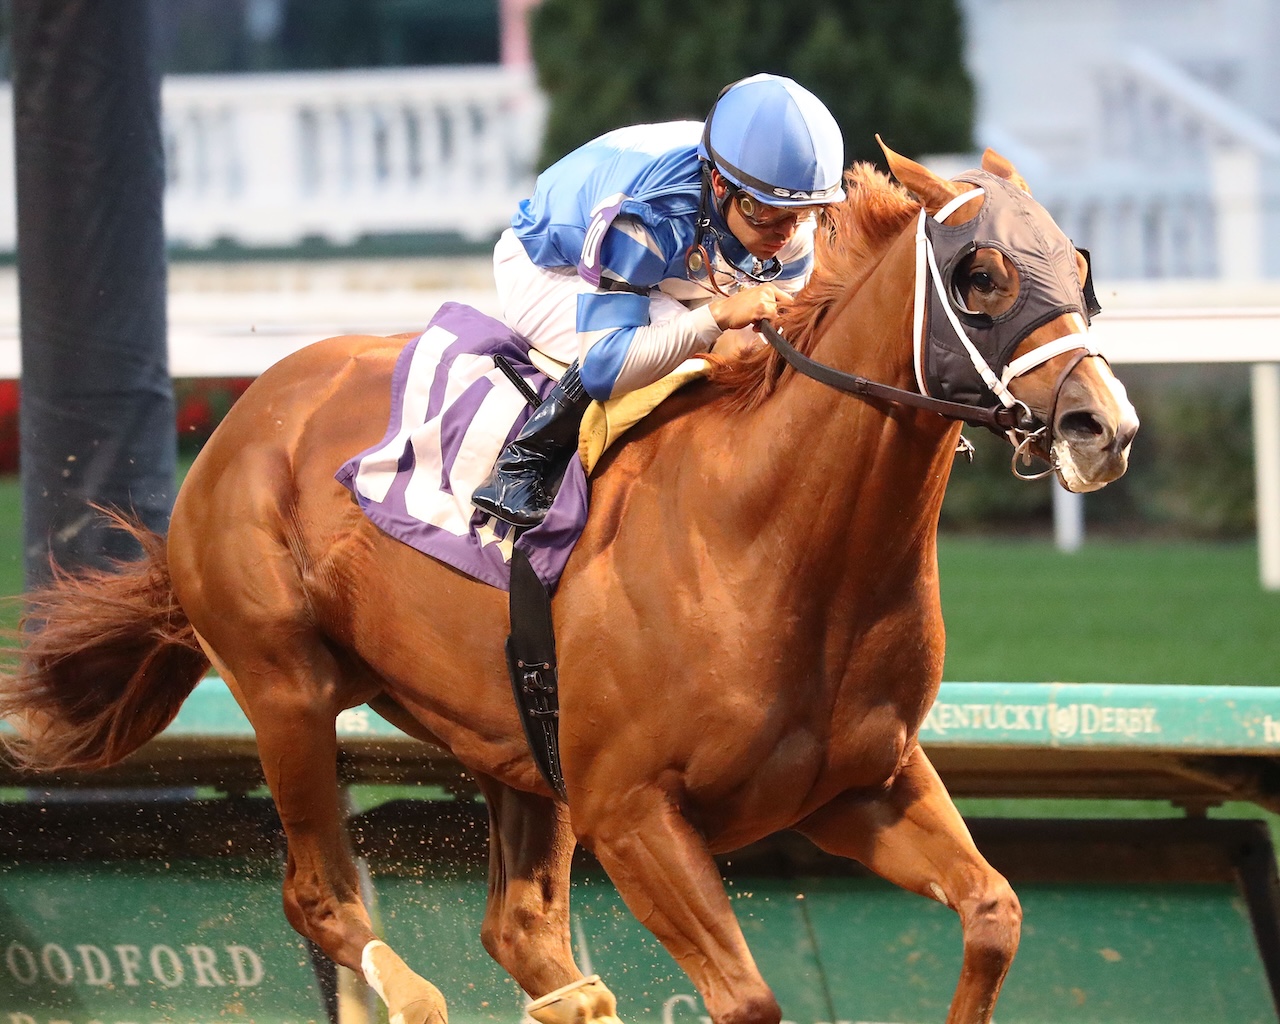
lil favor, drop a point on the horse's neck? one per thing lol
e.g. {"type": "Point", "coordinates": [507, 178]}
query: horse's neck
{"type": "Point", "coordinates": [855, 481]}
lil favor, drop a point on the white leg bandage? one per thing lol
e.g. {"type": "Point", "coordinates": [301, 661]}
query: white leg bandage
{"type": "Point", "coordinates": [367, 965]}
{"type": "Point", "coordinates": [562, 991]}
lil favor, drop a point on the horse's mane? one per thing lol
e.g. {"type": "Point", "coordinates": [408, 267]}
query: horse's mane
{"type": "Point", "coordinates": [850, 239]}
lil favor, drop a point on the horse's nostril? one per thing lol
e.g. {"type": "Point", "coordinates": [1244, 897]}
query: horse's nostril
{"type": "Point", "coordinates": [1080, 426]}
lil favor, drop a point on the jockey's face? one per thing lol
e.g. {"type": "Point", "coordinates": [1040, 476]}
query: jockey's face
{"type": "Point", "coordinates": [763, 230]}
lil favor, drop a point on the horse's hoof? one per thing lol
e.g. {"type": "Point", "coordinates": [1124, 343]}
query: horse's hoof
{"type": "Point", "coordinates": [588, 1001]}
{"type": "Point", "coordinates": [409, 998]}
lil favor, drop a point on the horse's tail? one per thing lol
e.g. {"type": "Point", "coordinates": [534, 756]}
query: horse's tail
{"type": "Point", "coordinates": [103, 661]}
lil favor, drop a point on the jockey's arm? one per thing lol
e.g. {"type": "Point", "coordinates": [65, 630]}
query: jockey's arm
{"type": "Point", "coordinates": [623, 344]}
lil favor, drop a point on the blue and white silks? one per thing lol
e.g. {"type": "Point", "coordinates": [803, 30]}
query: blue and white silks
{"type": "Point", "coordinates": [622, 210]}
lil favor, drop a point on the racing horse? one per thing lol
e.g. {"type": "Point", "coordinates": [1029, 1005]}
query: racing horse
{"type": "Point", "coordinates": [749, 628]}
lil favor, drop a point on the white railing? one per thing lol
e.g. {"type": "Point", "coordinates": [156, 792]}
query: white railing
{"type": "Point", "coordinates": [1179, 181]}
{"type": "Point", "coordinates": [273, 160]}
{"type": "Point", "coordinates": [1136, 227]}
{"type": "Point", "coordinates": [1158, 113]}
{"type": "Point", "coordinates": [1171, 124]}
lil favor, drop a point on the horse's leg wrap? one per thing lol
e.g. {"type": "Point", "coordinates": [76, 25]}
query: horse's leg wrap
{"type": "Point", "coordinates": [410, 999]}
{"type": "Point", "coordinates": [579, 1002]}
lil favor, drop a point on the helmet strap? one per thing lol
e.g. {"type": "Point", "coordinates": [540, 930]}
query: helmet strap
{"type": "Point", "coordinates": [704, 203]}
{"type": "Point", "coordinates": [697, 258]}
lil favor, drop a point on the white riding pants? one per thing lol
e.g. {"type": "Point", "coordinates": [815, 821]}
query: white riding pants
{"type": "Point", "coordinates": [542, 303]}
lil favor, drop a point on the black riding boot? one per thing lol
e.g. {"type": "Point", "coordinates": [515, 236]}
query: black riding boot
{"type": "Point", "coordinates": [520, 489]}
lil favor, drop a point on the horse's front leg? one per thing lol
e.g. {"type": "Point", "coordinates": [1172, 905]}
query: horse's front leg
{"type": "Point", "coordinates": [912, 835]}
{"type": "Point", "coordinates": [669, 881]}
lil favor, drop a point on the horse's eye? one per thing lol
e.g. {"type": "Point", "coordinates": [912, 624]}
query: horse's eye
{"type": "Point", "coordinates": [982, 282]}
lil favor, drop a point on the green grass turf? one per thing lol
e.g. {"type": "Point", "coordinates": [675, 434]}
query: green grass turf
{"type": "Point", "coordinates": [1113, 612]}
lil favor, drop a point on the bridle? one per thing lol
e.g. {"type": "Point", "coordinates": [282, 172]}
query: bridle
{"type": "Point", "coordinates": [949, 347]}
{"type": "Point", "coordinates": [1017, 422]}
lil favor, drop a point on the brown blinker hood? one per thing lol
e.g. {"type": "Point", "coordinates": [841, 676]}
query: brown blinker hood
{"type": "Point", "coordinates": [1048, 286]}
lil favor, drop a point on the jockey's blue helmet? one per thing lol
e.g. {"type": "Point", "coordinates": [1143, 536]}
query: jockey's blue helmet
{"type": "Point", "coordinates": [776, 141]}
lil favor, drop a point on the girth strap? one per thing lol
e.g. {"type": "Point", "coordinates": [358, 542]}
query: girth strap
{"type": "Point", "coordinates": [531, 662]}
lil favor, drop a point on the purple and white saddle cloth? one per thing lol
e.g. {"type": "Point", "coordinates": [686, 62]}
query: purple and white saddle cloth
{"type": "Point", "coordinates": [452, 411]}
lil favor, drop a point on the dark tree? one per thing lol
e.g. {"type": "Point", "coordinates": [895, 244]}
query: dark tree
{"type": "Point", "coordinates": [892, 68]}
{"type": "Point", "coordinates": [217, 36]}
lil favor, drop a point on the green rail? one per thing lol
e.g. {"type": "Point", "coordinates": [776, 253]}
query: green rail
{"type": "Point", "coordinates": [1219, 719]}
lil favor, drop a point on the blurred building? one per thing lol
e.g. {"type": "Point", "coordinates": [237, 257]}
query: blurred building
{"type": "Point", "coordinates": [1150, 130]}
{"type": "Point", "coordinates": [420, 137]}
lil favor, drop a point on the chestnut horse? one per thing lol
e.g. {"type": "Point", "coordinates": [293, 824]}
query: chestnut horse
{"type": "Point", "coordinates": [749, 633]}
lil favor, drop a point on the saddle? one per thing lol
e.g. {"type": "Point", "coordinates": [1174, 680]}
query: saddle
{"type": "Point", "coordinates": [454, 405]}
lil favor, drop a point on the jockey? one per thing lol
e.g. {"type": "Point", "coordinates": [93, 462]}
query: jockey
{"type": "Point", "coordinates": [640, 248]}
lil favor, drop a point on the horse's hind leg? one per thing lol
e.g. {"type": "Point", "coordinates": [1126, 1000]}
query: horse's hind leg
{"type": "Point", "coordinates": [238, 563]}
{"type": "Point", "coordinates": [913, 836]}
{"type": "Point", "coordinates": [526, 921]}
{"type": "Point", "coordinates": [292, 699]}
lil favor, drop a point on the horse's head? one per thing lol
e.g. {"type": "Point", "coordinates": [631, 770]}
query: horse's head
{"type": "Point", "coordinates": [1003, 301]}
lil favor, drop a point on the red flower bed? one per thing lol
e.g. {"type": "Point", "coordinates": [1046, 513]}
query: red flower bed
{"type": "Point", "coordinates": [201, 403]}
{"type": "Point", "coordinates": [8, 426]}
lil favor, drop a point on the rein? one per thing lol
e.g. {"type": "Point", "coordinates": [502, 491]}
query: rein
{"type": "Point", "coordinates": [1000, 419]}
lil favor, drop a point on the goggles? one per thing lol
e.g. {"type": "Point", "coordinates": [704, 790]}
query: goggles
{"type": "Point", "coordinates": [764, 217]}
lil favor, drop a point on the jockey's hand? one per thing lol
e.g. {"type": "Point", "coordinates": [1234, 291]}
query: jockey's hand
{"type": "Point", "coordinates": [748, 306]}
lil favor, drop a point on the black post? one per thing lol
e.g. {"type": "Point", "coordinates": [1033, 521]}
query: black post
{"type": "Point", "coordinates": [1255, 860]}
{"type": "Point", "coordinates": [97, 422]}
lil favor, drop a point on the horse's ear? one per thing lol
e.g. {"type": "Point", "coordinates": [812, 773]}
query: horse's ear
{"type": "Point", "coordinates": [997, 164]}
{"type": "Point", "coordinates": [933, 191]}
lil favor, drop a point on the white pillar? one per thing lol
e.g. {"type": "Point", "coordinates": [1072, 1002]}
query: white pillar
{"type": "Point", "coordinates": [267, 209]}
{"type": "Point", "coordinates": [1237, 198]}
{"type": "Point", "coordinates": [1266, 468]}
{"type": "Point", "coordinates": [1237, 187]}
{"type": "Point", "coordinates": [1068, 518]}
{"type": "Point", "coordinates": [357, 1002]}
